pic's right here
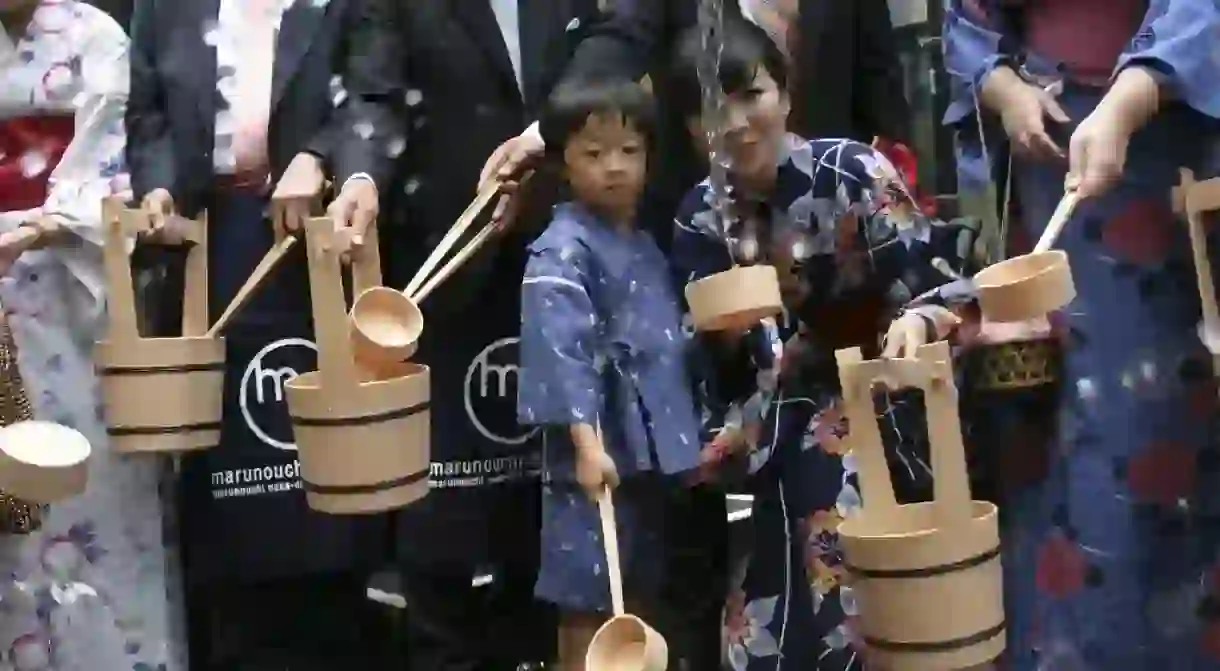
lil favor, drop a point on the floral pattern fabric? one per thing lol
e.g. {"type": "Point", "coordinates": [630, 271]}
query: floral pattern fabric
{"type": "Point", "coordinates": [90, 591]}
{"type": "Point", "coordinates": [850, 254]}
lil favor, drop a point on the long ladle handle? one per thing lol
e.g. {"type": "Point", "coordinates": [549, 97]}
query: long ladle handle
{"type": "Point", "coordinates": [605, 510]}
{"type": "Point", "coordinates": [452, 236]}
{"type": "Point", "coordinates": [454, 263]}
{"type": "Point", "coordinates": [261, 272]}
{"type": "Point", "coordinates": [1063, 212]}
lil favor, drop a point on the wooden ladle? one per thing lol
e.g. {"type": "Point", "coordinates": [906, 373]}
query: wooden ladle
{"type": "Point", "coordinates": [385, 323]}
{"type": "Point", "coordinates": [1030, 286]}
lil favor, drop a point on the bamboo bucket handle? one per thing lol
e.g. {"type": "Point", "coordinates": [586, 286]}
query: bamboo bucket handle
{"type": "Point", "coordinates": [195, 290]}
{"type": "Point", "coordinates": [452, 236]}
{"type": "Point", "coordinates": [1059, 219]}
{"type": "Point", "coordinates": [324, 246]}
{"type": "Point", "coordinates": [1197, 195]}
{"type": "Point", "coordinates": [930, 371]}
{"type": "Point", "coordinates": [121, 300]}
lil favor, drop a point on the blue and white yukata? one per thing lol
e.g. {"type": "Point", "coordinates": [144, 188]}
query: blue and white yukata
{"type": "Point", "coordinates": [1111, 559]}
{"type": "Point", "coordinates": [847, 264]}
{"type": "Point", "coordinates": [602, 344]}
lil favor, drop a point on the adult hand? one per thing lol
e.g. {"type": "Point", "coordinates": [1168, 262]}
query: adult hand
{"type": "Point", "coordinates": [595, 471]}
{"type": "Point", "coordinates": [14, 243]}
{"type": "Point", "coordinates": [1024, 110]}
{"type": "Point", "coordinates": [356, 207]}
{"type": "Point", "coordinates": [297, 190]}
{"type": "Point", "coordinates": [1097, 154]}
{"type": "Point", "coordinates": [507, 163]}
{"type": "Point", "coordinates": [917, 327]}
{"type": "Point", "coordinates": [159, 204]}
{"type": "Point", "coordinates": [731, 441]}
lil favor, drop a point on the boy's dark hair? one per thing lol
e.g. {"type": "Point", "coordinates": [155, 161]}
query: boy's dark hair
{"type": "Point", "coordinates": [575, 100]}
{"type": "Point", "coordinates": [746, 49]}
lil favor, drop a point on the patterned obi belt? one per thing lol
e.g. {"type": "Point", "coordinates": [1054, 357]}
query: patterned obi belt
{"type": "Point", "coordinates": [30, 148]}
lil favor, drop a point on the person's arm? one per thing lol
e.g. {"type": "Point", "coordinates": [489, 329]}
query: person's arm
{"type": "Point", "coordinates": [880, 108]}
{"type": "Point", "coordinates": [91, 168]}
{"type": "Point", "coordinates": [150, 149]}
{"type": "Point", "coordinates": [560, 381]}
{"type": "Point", "coordinates": [1171, 57]}
{"type": "Point", "coordinates": [370, 85]}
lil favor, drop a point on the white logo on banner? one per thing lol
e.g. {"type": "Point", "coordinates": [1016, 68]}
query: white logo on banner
{"type": "Point", "coordinates": [268, 384]}
{"type": "Point", "coordinates": [493, 375]}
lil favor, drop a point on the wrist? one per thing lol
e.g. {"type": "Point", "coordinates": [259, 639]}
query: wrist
{"type": "Point", "coordinates": [999, 87]}
{"type": "Point", "coordinates": [1133, 99]}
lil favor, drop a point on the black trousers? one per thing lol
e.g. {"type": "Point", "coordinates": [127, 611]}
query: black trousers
{"type": "Point", "coordinates": [311, 623]}
{"type": "Point", "coordinates": [454, 626]}
{"type": "Point", "coordinates": [698, 576]}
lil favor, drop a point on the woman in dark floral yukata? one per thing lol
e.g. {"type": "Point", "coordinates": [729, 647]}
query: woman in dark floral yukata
{"type": "Point", "coordinates": [851, 251]}
{"type": "Point", "coordinates": [1111, 557]}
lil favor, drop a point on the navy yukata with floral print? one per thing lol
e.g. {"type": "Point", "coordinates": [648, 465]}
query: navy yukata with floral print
{"type": "Point", "coordinates": [1111, 556]}
{"type": "Point", "coordinates": [848, 262]}
{"type": "Point", "coordinates": [602, 344]}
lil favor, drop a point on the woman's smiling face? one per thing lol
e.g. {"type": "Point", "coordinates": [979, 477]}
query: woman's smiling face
{"type": "Point", "coordinates": [754, 123]}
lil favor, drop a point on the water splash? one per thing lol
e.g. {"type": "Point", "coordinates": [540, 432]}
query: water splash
{"type": "Point", "coordinates": [711, 25]}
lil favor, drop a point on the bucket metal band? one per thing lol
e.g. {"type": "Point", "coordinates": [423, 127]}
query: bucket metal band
{"type": "Point", "coordinates": [368, 488]}
{"type": "Point", "coordinates": [927, 571]}
{"type": "Point", "coordinates": [937, 646]}
{"type": "Point", "coordinates": [212, 366]}
{"type": "Point", "coordinates": [118, 431]}
{"type": "Point", "coordinates": [361, 419]}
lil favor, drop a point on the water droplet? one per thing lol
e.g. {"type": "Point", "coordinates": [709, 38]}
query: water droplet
{"type": "Point", "coordinates": [1086, 388]}
{"type": "Point", "coordinates": [211, 33]}
{"type": "Point", "coordinates": [363, 129]}
{"type": "Point", "coordinates": [411, 186]}
{"type": "Point", "coordinates": [396, 147]}
{"type": "Point", "coordinates": [414, 97]}
{"type": "Point", "coordinates": [33, 163]}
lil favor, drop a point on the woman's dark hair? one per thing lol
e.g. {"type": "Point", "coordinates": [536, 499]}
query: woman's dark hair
{"type": "Point", "coordinates": [746, 49]}
{"type": "Point", "coordinates": [575, 100]}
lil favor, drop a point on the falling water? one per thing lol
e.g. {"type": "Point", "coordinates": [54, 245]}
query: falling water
{"type": "Point", "coordinates": [711, 24]}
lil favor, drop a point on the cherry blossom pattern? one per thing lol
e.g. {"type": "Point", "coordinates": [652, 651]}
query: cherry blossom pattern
{"type": "Point", "coordinates": [746, 629]}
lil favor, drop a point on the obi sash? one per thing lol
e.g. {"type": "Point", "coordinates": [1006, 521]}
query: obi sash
{"type": "Point", "coordinates": [30, 148]}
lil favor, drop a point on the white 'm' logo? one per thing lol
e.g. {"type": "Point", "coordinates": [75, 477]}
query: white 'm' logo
{"type": "Point", "coordinates": [493, 374]}
{"type": "Point", "coordinates": [268, 386]}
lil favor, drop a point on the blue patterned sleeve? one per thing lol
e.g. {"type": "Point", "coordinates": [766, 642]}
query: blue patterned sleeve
{"type": "Point", "coordinates": [976, 40]}
{"type": "Point", "coordinates": [559, 382]}
{"type": "Point", "coordinates": [1178, 42]}
{"type": "Point", "coordinates": [974, 44]}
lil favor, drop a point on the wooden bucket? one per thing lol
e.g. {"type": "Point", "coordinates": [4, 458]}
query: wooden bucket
{"type": "Point", "coordinates": [902, 558]}
{"type": "Point", "coordinates": [158, 394]}
{"type": "Point", "coordinates": [362, 434]}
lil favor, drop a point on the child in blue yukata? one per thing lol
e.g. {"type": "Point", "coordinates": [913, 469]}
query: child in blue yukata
{"type": "Point", "coordinates": [604, 366]}
{"type": "Point", "coordinates": [852, 252]}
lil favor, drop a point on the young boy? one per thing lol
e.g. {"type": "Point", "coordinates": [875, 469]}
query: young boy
{"type": "Point", "coordinates": [603, 366]}
{"type": "Point", "coordinates": [835, 220]}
